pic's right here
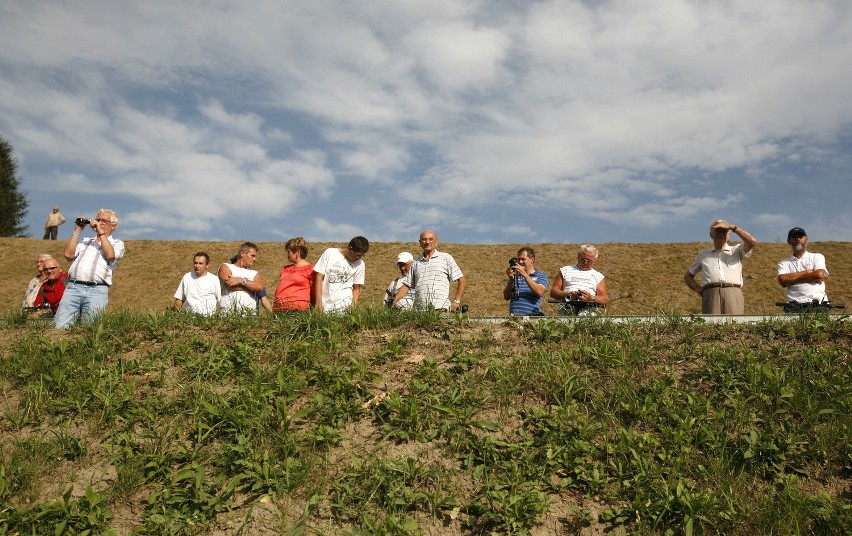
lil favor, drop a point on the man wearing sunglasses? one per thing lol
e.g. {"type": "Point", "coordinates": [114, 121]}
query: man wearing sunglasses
{"type": "Point", "coordinates": [51, 291]}
{"type": "Point", "coordinates": [93, 262]}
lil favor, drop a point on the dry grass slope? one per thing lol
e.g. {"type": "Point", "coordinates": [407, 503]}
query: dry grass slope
{"type": "Point", "coordinates": [641, 278]}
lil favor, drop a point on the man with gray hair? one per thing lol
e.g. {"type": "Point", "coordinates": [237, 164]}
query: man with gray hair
{"type": "Point", "coordinates": [35, 283]}
{"type": "Point", "coordinates": [581, 288]}
{"type": "Point", "coordinates": [721, 268]}
{"type": "Point", "coordinates": [93, 261]}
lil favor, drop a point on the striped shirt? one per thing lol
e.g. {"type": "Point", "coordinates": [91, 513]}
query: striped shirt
{"type": "Point", "coordinates": [91, 265]}
{"type": "Point", "coordinates": [431, 278]}
{"type": "Point", "coordinates": [524, 301]}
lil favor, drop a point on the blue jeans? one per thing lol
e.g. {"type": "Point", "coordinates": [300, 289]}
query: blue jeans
{"type": "Point", "coordinates": [80, 301]}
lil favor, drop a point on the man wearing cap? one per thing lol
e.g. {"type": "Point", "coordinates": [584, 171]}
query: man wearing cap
{"type": "Point", "coordinates": [524, 284]}
{"type": "Point", "coordinates": [721, 271]}
{"type": "Point", "coordinates": [51, 226]}
{"type": "Point", "coordinates": [403, 263]}
{"type": "Point", "coordinates": [802, 274]}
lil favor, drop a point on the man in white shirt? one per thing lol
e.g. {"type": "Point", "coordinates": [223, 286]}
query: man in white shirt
{"type": "Point", "coordinates": [430, 277]}
{"type": "Point", "coordinates": [721, 268]}
{"type": "Point", "coordinates": [339, 276]}
{"type": "Point", "coordinates": [199, 291]}
{"type": "Point", "coordinates": [93, 261]}
{"type": "Point", "coordinates": [802, 274]}
{"type": "Point", "coordinates": [242, 287]}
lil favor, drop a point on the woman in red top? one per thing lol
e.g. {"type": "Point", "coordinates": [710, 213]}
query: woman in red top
{"type": "Point", "coordinates": [294, 284]}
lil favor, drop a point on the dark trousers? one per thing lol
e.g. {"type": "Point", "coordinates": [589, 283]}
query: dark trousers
{"type": "Point", "coordinates": [50, 232]}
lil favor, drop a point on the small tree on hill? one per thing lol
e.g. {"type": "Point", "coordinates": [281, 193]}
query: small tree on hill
{"type": "Point", "coordinates": [13, 204]}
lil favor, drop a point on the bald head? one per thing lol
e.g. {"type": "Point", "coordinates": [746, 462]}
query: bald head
{"type": "Point", "coordinates": [428, 242]}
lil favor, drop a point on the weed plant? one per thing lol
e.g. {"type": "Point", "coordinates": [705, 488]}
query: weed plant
{"type": "Point", "coordinates": [388, 422]}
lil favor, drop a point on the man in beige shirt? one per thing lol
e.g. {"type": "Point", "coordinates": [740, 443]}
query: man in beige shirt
{"type": "Point", "coordinates": [51, 226]}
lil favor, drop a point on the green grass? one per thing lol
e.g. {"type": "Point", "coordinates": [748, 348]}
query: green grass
{"type": "Point", "coordinates": [381, 422]}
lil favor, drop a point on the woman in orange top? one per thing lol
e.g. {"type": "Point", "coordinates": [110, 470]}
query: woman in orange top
{"type": "Point", "coordinates": [294, 284]}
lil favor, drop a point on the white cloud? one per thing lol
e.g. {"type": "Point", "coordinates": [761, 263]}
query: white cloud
{"type": "Point", "coordinates": [205, 113]}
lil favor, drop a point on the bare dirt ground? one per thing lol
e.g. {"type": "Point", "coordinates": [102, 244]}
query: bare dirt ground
{"type": "Point", "coordinates": [641, 278]}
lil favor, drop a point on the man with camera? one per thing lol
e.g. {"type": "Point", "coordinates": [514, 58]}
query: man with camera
{"type": "Point", "coordinates": [430, 277]}
{"type": "Point", "coordinates": [581, 288]}
{"type": "Point", "coordinates": [524, 284]}
{"type": "Point", "coordinates": [93, 261]}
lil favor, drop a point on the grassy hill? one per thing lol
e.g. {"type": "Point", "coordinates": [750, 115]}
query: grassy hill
{"type": "Point", "coordinates": [386, 423]}
{"type": "Point", "coordinates": [641, 278]}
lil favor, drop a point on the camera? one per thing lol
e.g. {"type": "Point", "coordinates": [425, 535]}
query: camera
{"type": "Point", "coordinates": [82, 221]}
{"type": "Point", "coordinates": [513, 261]}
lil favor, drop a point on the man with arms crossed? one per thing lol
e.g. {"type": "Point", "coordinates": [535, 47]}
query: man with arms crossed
{"type": "Point", "coordinates": [242, 287]}
{"type": "Point", "coordinates": [339, 276]}
{"type": "Point", "coordinates": [93, 262]}
{"type": "Point", "coordinates": [802, 274]}
{"type": "Point", "coordinates": [199, 291]}
{"type": "Point", "coordinates": [430, 277]}
{"type": "Point", "coordinates": [721, 268]}
{"type": "Point", "coordinates": [524, 285]}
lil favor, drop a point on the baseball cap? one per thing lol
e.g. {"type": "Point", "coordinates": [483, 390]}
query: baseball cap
{"type": "Point", "coordinates": [56, 208]}
{"type": "Point", "coordinates": [796, 231]}
{"type": "Point", "coordinates": [404, 257]}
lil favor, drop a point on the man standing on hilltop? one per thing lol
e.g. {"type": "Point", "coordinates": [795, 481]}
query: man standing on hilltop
{"type": "Point", "coordinates": [93, 261]}
{"type": "Point", "coordinates": [430, 277]}
{"type": "Point", "coordinates": [339, 276]}
{"type": "Point", "coordinates": [51, 226]}
{"type": "Point", "coordinates": [721, 268]}
{"type": "Point", "coordinates": [802, 274]}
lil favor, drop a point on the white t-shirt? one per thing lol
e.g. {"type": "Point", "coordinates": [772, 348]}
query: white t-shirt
{"type": "Point", "coordinates": [239, 300]}
{"type": "Point", "coordinates": [339, 276]}
{"type": "Point", "coordinates": [804, 292]}
{"type": "Point", "coordinates": [574, 279]}
{"type": "Point", "coordinates": [200, 294]}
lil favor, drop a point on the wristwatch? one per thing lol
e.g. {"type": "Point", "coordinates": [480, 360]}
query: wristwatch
{"type": "Point", "coordinates": [456, 302]}
{"type": "Point", "coordinates": [243, 283]}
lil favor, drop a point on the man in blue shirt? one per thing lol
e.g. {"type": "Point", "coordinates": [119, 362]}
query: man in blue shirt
{"type": "Point", "coordinates": [524, 285]}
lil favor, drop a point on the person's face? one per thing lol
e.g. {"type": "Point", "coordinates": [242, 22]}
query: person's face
{"type": "Point", "coordinates": [585, 260]}
{"type": "Point", "coordinates": [293, 256]}
{"type": "Point", "coordinates": [51, 270]}
{"type": "Point", "coordinates": [248, 257]}
{"type": "Point", "coordinates": [798, 242]}
{"type": "Point", "coordinates": [55, 210]}
{"type": "Point", "coordinates": [404, 267]}
{"type": "Point", "coordinates": [719, 234]}
{"type": "Point", "coordinates": [352, 255]}
{"type": "Point", "coordinates": [40, 264]}
{"type": "Point", "coordinates": [526, 261]}
{"type": "Point", "coordinates": [105, 218]}
{"type": "Point", "coordinates": [199, 264]}
{"type": "Point", "coordinates": [428, 242]}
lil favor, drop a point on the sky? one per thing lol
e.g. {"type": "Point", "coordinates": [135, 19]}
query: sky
{"type": "Point", "coordinates": [499, 121]}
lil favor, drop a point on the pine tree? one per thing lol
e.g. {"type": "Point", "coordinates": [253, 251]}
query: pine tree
{"type": "Point", "coordinates": [13, 204]}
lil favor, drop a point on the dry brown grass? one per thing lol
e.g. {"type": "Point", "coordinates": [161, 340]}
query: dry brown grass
{"type": "Point", "coordinates": [641, 278]}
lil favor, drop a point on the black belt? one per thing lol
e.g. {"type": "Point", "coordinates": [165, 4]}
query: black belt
{"type": "Point", "coordinates": [720, 285]}
{"type": "Point", "coordinates": [87, 283]}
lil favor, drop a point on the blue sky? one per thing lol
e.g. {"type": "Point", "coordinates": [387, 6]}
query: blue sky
{"type": "Point", "coordinates": [490, 122]}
